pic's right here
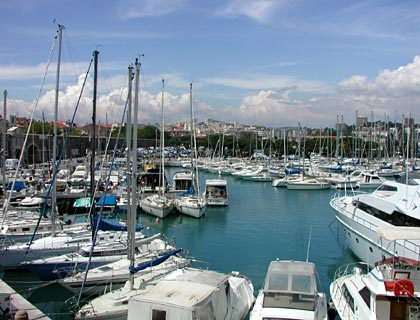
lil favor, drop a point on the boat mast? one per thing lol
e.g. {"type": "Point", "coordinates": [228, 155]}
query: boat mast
{"type": "Point", "coordinates": [3, 133]}
{"type": "Point", "coordinates": [54, 159]}
{"type": "Point", "coordinates": [93, 142]}
{"type": "Point", "coordinates": [132, 213]}
{"type": "Point", "coordinates": [162, 144]}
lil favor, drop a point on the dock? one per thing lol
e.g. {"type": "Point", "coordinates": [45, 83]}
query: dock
{"type": "Point", "coordinates": [11, 302]}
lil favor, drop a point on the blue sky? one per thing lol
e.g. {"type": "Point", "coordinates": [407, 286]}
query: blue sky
{"type": "Point", "coordinates": [265, 62]}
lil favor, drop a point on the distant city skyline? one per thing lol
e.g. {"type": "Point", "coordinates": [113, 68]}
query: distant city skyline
{"type": "Point", "coordinates": [275, 63]}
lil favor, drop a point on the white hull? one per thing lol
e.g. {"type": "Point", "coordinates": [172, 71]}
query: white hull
{"type": "Point", "coordinates": [191, 206]}
{"type": "Point", "coordinates": [303, 185]}
{"type": "Point", "coordinates": [361, 233]}
{"type": "Point", "coordinates": [158, 206]}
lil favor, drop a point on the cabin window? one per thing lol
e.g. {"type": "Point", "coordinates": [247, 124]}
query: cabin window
{"type": "Point", "coordinates": [385, 187]}
{"type": "Point", "coordinates": [158, 314]}
{"type": "Point", "coordinates": [25, 229]}
{"type": "Point", "coordinates": [278, 282]}
{"type": "Point", "coordinates": [301, 283]}
{"type": "Point", "coordinates": [395, 218]}
{"type": "Point", "coordinates": [365, 294]}
{"type": "Point", "coordinates": [349, 298]}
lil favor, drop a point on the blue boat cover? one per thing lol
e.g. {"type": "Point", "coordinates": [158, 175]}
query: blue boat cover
{"type": "Point", "coordinates": [155, 262]}
{"type": "Point", "coordinates": [108, 200]}
{"type": "Point", "coordinates": [109, 226]}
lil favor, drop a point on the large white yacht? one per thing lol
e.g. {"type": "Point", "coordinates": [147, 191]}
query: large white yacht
{"type": "Point", "coordinates": [394, 203]}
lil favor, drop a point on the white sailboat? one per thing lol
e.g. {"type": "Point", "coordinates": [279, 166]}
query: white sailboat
{"type": "Point", "coordinates": [151, 251]}
{"type": "Point", "coordinates": [114, 304]}
{"type": "Point", "coordinates": [158, 204]}
{"type": "Point", "coordinates": [192, 203]}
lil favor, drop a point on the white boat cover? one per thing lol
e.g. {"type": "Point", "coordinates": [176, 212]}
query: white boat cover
{"type": "Point", "coordinates": [392, 233]}
{"type": "Point", "coordinates": [194, 294]}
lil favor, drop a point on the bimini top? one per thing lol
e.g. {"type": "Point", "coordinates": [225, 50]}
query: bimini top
{"type": "Point", "coordinates": [392, 233]}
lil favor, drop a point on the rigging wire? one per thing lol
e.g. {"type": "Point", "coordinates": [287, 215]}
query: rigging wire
{"type": "Point", "coordinates": [102, 206]}
{"type": "Point", "coordinates": [6, 203]}
{"type": "Point", "coordinates": [57, 163]}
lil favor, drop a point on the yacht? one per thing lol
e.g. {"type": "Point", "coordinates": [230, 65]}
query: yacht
{"type": "Point", "coordinates": [394, 203]}
{"type": "Point", "coordinates": [290, 291]}
{"type": "Point", "coordinates": [387, 290]}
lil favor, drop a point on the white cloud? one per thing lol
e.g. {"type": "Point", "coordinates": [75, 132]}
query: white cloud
{"type": "Point", "coordinates": [399, 82]}
{"type": "Point", "coordinates": [264, 81]}
{"type": "Point", "coordinates": [132, 9]}
{"type": "Point", "coordinates": [277, 101]}
{"type": "Point", "coordinates": [259, 10]}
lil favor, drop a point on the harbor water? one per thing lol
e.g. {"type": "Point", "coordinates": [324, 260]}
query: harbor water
{"type": "Point", "coordinates": [260, 224]}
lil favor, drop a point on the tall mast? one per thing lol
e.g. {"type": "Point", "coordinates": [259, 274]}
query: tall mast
{"type": "Point", "coordinates": [162, 142]}
{"type": "Point", "coordinates": [133, 205]}
{"type": "Point", "coordinates": [55, 145]}
{"type": "Point", "coordinates": [93, 142]}
{"type": "Point", "coordinates": [3, 133]}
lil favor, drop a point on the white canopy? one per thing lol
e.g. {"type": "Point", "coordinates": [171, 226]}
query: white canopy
{"type": "Point", "coordinates": [392, 233]}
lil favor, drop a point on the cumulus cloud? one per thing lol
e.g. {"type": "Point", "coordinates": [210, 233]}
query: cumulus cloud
{"type": "Point", "coordinates": [269, 100]}
{"type": "Point", "coordinates": [399, 82]}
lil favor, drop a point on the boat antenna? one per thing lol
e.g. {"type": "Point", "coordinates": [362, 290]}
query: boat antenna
{"type": "Point", "coordinates": [309, 244]}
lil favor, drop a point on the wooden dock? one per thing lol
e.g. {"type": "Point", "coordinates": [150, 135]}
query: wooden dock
{"type": "Point", "coordinates": [11, 302]}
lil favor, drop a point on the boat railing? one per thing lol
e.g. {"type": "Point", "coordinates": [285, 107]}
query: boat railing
{"type": "Point", "coordinates": [352, 268]}
{"type": "Point", "coordinates": [350, 213]}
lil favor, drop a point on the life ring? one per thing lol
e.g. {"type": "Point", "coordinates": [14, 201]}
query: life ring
{"type": "Point", "coordinates": [404, 287]}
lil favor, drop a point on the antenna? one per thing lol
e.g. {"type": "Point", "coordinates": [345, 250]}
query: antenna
{"type": "Point", "coordinates": [309, 244]}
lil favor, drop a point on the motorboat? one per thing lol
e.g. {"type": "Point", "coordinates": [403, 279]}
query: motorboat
{"type": "Point", "coordinates": [191, 293]}
{"type": "Point", "coordinates": [307, 184]}
{"type": "Point", "coordinates": [394, 203]}
{"type": "Point", "coordinates": [216, 192]}
{"type": "Point", "coordinates": [387, 290]}
{"type": "Point", "coordinates": [290, 291]}
{"type": "Point", "coordinates": [369, 180]}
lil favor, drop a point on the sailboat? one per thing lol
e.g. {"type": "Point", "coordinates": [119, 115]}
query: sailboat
{"type": "Point", "coordinates": [141, 270]}
{"type": "Point", "coordinates": [192, 203]}
{"type": "Point", "coordinates": [158, 204]}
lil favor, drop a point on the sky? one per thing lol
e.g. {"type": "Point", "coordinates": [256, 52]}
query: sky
{"type": "Point", "coordinates": [277, 63]}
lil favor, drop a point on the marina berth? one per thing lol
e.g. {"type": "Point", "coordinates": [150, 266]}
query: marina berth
{"type": "Point", "coordinates": [15, 306]}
